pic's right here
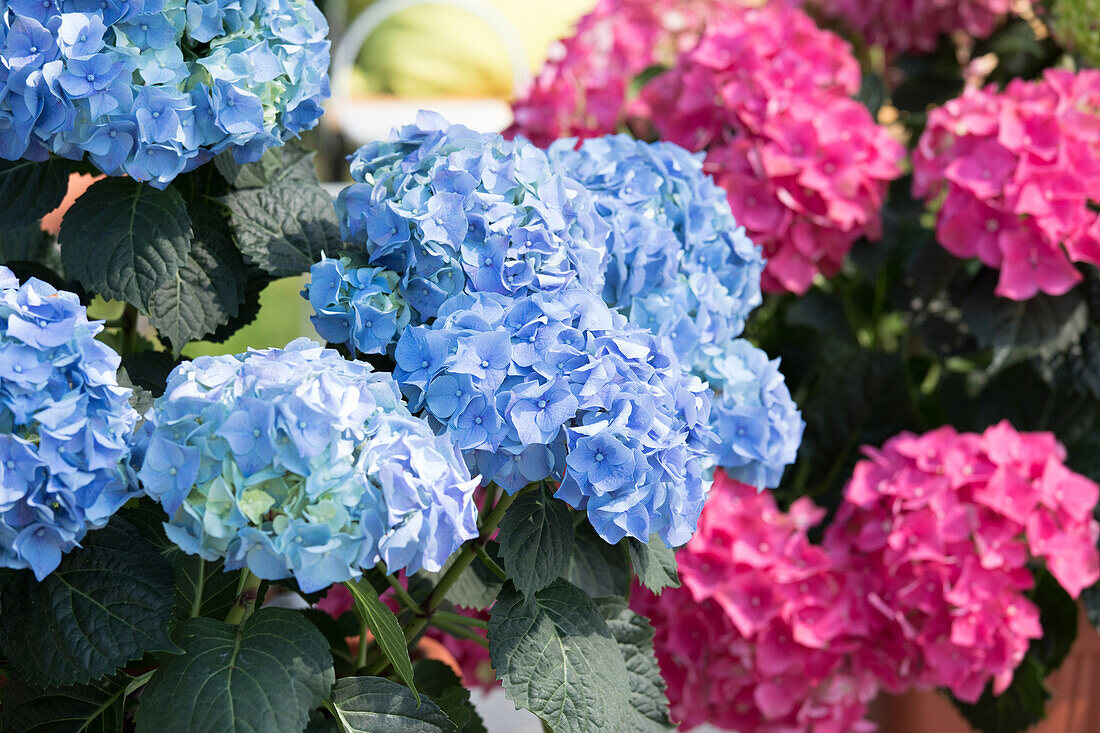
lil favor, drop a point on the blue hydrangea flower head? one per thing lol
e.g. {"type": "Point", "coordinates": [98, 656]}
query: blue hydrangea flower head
{"type": "Point", "coordinates": [298, 462]}
{"type": "Point", "coordinates": [450, 211]}
{"type": "Point", "coordinates": [65, 426]}
{"type": "Point", "coordinates": [757, 425]}
{"type": "Point", "coordinates": [558, 386]}
{"type": "Point", "coordinates": [679, 264]}
{"type": "Point", "coordinates": [154, 88]}
{"type": "Point", "coordinates": [681, 267]}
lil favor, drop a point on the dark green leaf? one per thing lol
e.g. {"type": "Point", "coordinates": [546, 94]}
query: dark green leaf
{"type": "Point", "coordinates": [203, 588]}
{"type": "Point", "coordinates": [125, 240]}
{"type": "Point", "coordinates": [377, 705]}
{"type": "Point", "coordinates": [386, 629]}
{"type": "Point", "coordinates": [634, 634]}
{"type": "Point", "coordinates": [141, 399]}
{"type": "Point", "coordinates": [557, 658]}
{"type": "Point", "coordinates": [1016, 330]}
{"type": "Point", "coordinates": [265, 675]}
{"type": "Point", "coordinates": [654, 564]}
{"type": "Point", "coordinates": [597, 568]}
{"type": "Point", "coordinates": [439, 682]}
{"type": "Point", "coordinates": [149, 369]}
{"type": "Point", "coordinates": [107, 603]}
{"type": "Point", "coordinates": [249, 308]}
{"type": "Point", "coordinates": [284, 227]}
{"type": "Point", "coordinates": [92, 708]}
{"type": "Point", "coordinates": [207, 290]}
{"type": "Point", "coordinates": [29, 190]}
{"type": "Point", "coordinates": [1090, 598]}
{"type": "Point", "coordinates": [536, 540]}
{"type": "Point", "coordinates": [290, 162]}
{"type": "Point", "coordinates": [27, 243]}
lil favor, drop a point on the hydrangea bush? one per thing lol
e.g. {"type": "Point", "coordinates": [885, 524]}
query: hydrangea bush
{"type": "Point", "coordinates": [152, 89]}
{"type": "Point", "coordinates": [588, 423]}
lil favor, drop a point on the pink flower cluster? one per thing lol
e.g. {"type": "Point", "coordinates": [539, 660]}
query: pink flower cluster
{"type": "Point", "coordinates": [915, 25]}
{"type": "Point", "coordinates": [767, 95]}
{"type": "Point", "coordinates": [938, 531]}
{"type": "Point", "coordinates": [758, 636]}
{"type": "Point", "coordinates": [920, 583]}
{"type": "Point", "coordinates": [582, 91]}
{"type": "Point", "coordinates": [1019, 171]}
{"type": "Point", "coordinates": [763, 90]}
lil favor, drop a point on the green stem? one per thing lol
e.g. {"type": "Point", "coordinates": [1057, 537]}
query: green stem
{"type": "Point", "coordinates": [460, 632]}
{"type": "Point", "coordinates": [128, 324]}
{"type": "Point", "coordinates": [361, 652]}
{"type": "Point", "coordinates": [490, 562]}
{"type": "Point", "coordinates": [247, 598]}
{"type": "Point", "coordinates": [400, 592]}
{"type": "Point", "coordinates": [465, 556]}
{"type": "Point", "coordinates": [490, 498]}
{"type": "Point", "coordinates": [459, 619]}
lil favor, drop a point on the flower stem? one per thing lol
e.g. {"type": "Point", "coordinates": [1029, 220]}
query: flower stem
{"type": "Point", "coordinates": [460, 632]}
{"type": "Point", "coordinates": [465, 557]}
{"type": "Point", "coordinates": [460, 620]}
{"type": "Point", "coordinates": [490, 562]}
{"type": "Point", "coordinates": [400, 592]}
{"type": "Point", "coordinates": [247, 598]}
{"type": "Point", "coordinates": [361, 653]}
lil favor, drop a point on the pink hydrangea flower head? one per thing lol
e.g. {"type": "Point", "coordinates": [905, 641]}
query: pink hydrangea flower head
{"type": "Point", "coordinates": [767, 94]}
{"type": "Point", "coordinates": [758, 636]}
{"type": "Point", "coordinates": [915, 25]}
{"type": "Point", "coordinates": [1018, 172]}
{"type": "Point", "coordinates": [937, 532]}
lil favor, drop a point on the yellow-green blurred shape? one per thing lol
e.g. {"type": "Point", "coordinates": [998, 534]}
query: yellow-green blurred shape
{"type": "Point", "coordinates": [443, 51]}
{"type": "Point", "coordinates": [283, 317]}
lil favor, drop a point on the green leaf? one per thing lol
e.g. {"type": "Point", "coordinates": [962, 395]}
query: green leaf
{"type": "Point", "coordinates": [1014, 330]}
{"type": "Point", "coordinates": [289, 162]}
{"type": "Point", "coordinates": [654, 564]}
{"type": "Point", "coordinates": [96, 707]}
{"type": "Point", "coordinates": [439, 682]}
{"type": "Point", "coordinates": [285, 227]}
{"type": "Point", "coordinates": [203, 588]}
{"type": "Point", "coordinates": [557, 658]}
{"type": "Point", "coordinates": [377, 705]}
{"type": "Point", "coordinates": [108, 603]}
{"type": "Point", "coordinates": [386, 629]}
{"type": "Point", "coordinates": [265, 675]}
{"type": "Point", "coordinates": [634, 634]}
{"type": "Point", "coordinates": [536, 540]}
{"type": "Point", "coordinates": [597, 568]}
{"type": "Point", "coordinates": [29, 190]}
{"type": "Point", "coordinates": [149, 369]}
{"type": "Point", "coordinates": [141, 399]}
{"type": "Point", "coordinates": [26, 243]}
{"type": "Point", "coordinates": [207, 290]}
{"type": "Point", "coordinates": [125, 240]}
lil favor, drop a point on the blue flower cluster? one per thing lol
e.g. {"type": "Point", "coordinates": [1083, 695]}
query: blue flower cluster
{"type": "Point", "coordinates": [153, 88]}
{"type": "Point", "coordinates": [558, 386]}
{"type": "Point", "coordinates": [65, 426]}
{"type": "Point", "coordinates": [757, 424]}
{"type": "Point", "coordinates": [681, 267]}
{"type": "Point", "coordinates": [679, 263]}
{"type": "Point", "coordinates": [449, 210]}
{"type": "Point", "coordinates": [298, 462]}
{"type": "Point", "coordinates": [358, 307]}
